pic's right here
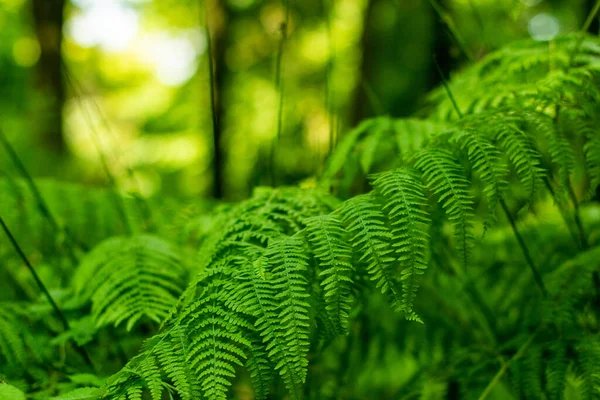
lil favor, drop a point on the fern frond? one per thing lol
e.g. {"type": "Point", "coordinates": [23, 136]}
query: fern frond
{"type": "Point", "coordinates": [217, 344]}
{"type": "Point", "coordinates": [592, 156]}
{"type": "Point", "coordinates": [589, 365]}
{"type": "Point", "coordinates": [486, 160]}
{"type": "Point", "coordinates": [560, 149]}
{"type": "Point", "coordinates": [128, 278]}
{"type": "Point", "coordinates": [330, 246]}
{"type": "Point", "coordinates": [405, 204]}
{"type": "Point", "coordinates": [288, 263]}
{"type": "Point", "coordinates": [445, 178]}
{"type": "Point", "coordinates": [524, 157]}
{"type": "Point", "coordinates": [13, 349]}
{"type": "Point", "coordinates": [556, 369]}
{"type": "Point", "coordinates": [372, 241]}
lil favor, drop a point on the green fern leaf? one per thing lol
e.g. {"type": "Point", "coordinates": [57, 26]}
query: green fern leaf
{"type": "Point", "coordinates": [486, 161]}
{"type": "Point", "coordinates": [372, 241]}
{"type": "Point", "coordinates": [589, 364]}
{"type": "Point", "coordinates": [445, 178]}
{"type": "Point", "coordinates": [405, 204]}
{"type": "Point", "coordinates": [556, 370]}
{"type": "Point", "coordinates": [525, 158]}
{"type": "Point", "coordinates": [128, 278]}
{"type": "Point", "coordinates": [330, 246]}
{"type": "Point", "coordinates": [288, 264]}
{"type": "Point", "coordinates": [592, 156]}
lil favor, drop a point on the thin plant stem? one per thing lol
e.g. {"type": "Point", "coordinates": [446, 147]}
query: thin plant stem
{"type": "Point", "coordinates": [577, 216]}
{"type": "Point", "coordinates": [507, 364]}
{"type": "Point", "coordinates": [584, 29]}
{"type": "Point", "coordinates": [43, 288]}
{"type": "Point", "coordinates": [445, 17]}
{"type": "Point", "coordinates": [117, 198]}
{"type": "Point", "coordinates": [536, 273]}
{"type": "Point", "coordinates": [41, 203]}
{"type": "Point", "coordinates": [78, 89]}
{"type": "Point", "coordinates": [576, 238]}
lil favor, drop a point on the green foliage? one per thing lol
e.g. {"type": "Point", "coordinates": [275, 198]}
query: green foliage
{"type": "Point", "coordinates": [293, 282]}
{"type": "Point", "coordinates": [128, 278]}
{"type": "Point", "coordinates": [405, 206]}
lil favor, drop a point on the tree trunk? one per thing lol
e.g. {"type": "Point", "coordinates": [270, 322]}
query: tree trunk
{"type": "Point", "coordinates": [396, 52]}
{"type": "Point", "coordinates": [48, 19]}
{"type": "Point", "coordinates": [361, 105]}
{"type": "Point", "coordinates": [216, 19]}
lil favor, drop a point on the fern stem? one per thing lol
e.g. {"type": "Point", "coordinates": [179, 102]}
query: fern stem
{"type": "Point", "coordinates": [44, 289]}
{"type": "Point", "coordinates": [563, 213]}
{"type": "Point", "coordinates": [577, 216]}
{"type": "Point", "coordinates": [447, 88]}
{"type": "Point", "coordinates": [41, 203]}
{"type": "Point", "coordinates": [507, 364]}
{"type": "Point", "coordinates": [471, 290]}
{"type": "Point", "coordinates": [536, 273]}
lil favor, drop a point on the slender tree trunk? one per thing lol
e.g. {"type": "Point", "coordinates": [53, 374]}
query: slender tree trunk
{"type": "Point", "coordinates": [595, 26]}
{"type": "Point", "coordinates": [396, 51]}
{"type": "Point", "coordinates": [362, 106]}
{"type": "Point", "coordinates": [48, 19]}
{"type": "Point", "coordinates": [217, 27]}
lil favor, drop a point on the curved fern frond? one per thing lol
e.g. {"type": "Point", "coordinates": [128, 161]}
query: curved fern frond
{"type": "Point", "coordinates": [524, 157]}
{"type": "Point", "coordinates": [405, 204]}
{"type": "Point", "coordinates": [217, 343]}
{"type": "Point", "coordinates": [372, 242]}
{"type": "Point", "coordinates": [589, 366]}
{"type": "Point", "coordinates": [13, 349]}
{"type": "Point", "coordinates": [288, 264]}
{"type": "Point", "coordinates": [556, 369]}
{"type": "Point", "coordinates": [128, 278]}
{"type": "Point", "coordinates": [486, 161]}
{"type": "Point", "coordinates": [445, 178]}
{"type": "Point", "coordinates": [330, 246]}
{"type": "Point", "coordinates": [559, 148]}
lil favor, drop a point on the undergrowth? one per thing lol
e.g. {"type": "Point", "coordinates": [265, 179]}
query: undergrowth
{"type": "Point", "coordinates": [478, 223]}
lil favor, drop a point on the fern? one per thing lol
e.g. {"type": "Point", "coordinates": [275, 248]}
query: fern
{"type": "Point", "coordinates": [330, 246]}
{"type": "Point", "coordinates": [405, 205]}
{"type": "Point", "coordinates": [372, 241]}
{"type": "Point", "coordinates": [445, 179]}
{"type": "Point", "coordinates": [129, 278]}
{"type": "Point", "coordinates": [13, 349]}
{"type": "Point", "coordinates": [277, 278]}
{"type": "Point", "coordinates": [486, 160]}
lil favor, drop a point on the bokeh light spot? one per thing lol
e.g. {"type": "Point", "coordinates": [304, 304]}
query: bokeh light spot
{"type": "Point", "coordinates": [543, 27]}
{"type": "Point", "coordinates": [105, 23]}
{"type": "Point", "coordinates": [26, 51]}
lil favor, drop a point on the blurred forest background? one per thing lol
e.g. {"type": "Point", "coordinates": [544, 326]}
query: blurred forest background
{"type": "Point", "coordinates": [130, 79]}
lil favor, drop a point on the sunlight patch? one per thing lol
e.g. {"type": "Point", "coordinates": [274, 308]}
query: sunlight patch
{"type": "Point", "coordinates": [106, 23]}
